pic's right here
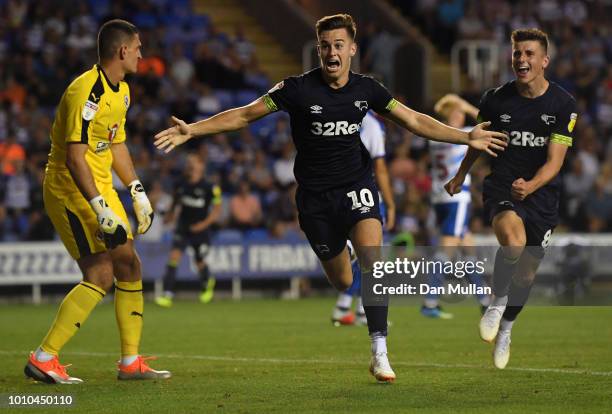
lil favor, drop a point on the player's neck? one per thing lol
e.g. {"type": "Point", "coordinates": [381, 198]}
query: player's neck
{"type": "Point", "coordinates": [336, 83]}
{"type": "Point", "coordinates": [114, 73]}
{"type": "Point", "coordinates": [533, 89]}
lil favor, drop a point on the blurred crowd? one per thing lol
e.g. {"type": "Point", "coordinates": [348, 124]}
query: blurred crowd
{"type": "Point", "coordinates": [191, 70]}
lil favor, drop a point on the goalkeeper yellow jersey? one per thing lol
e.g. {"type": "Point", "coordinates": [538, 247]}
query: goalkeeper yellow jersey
{"type": "Point", "coordinates": [92, 111]}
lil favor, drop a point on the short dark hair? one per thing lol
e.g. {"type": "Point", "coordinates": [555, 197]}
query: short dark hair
{"type": "Point", "coordinates": [521, 35]}
{"type": "Point", "coordinates": [111, 35]}
{"type": "Point", "coordinates": [337, 21]}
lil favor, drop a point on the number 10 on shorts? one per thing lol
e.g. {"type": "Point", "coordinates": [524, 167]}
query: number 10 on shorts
{"type": "Point", "coordinates": [365, 198]}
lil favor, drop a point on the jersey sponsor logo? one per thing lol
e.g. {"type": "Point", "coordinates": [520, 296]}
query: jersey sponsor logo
{"type": "Point", "coordinates": [112, 132]}
{"type": "Point", "coordinates": [526, 139]}
{"type": "Point", "coordinates": [193, 202]}
{"type": "Point", "coordinates": [572, 122]}
{"type": "Point", "coordinates": [362, 105]}
{"type": "Point", "coordinates": [102, 146]}
{"type": "Point", "coordinates": [548, 119]}
{"type": "Point", "coordinates": [316, 109]}
{"type": "Point", "coordinates": [89, 110]}
{"type": "Point", "coordinates": [334, 128]}
{"type": "Point", "coordinates": [505, 118]}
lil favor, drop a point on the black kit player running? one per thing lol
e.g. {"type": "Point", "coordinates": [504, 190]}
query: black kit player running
{"type": "Point", "coordinates": [336, 193]}
{"type": "Point", "coordinates": [195, 198]}
{"type": "Point", "coordinates": [332, 167]}
{"type": "Point", "coordinates": [530, 123]}
{"type": "Point", "coordinates": [521, 195]}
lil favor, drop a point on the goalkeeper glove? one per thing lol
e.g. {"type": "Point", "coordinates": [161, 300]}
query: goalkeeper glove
{"type": "Point", "coordinates": [142, 206]}
{"type": "Point", "coordinates": [112, 229]}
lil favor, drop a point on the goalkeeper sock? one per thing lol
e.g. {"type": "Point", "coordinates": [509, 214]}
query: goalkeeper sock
{"type": "Point", "coordinates": [129, 305]}
{"type": "Point", "coordinates": [72, 313]}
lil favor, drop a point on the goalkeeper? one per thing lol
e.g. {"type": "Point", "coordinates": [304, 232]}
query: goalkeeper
{"type": "Point", "coordinates": [87, 142]}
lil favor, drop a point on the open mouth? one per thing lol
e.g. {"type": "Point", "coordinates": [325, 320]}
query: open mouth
{"type": "Point", "coordinates": [332, 65]}
{"type": "Point", "coordinates": [522, 70]}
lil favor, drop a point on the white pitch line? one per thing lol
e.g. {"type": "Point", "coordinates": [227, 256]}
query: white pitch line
{"type": "Point", "coordinates": [329, 361]}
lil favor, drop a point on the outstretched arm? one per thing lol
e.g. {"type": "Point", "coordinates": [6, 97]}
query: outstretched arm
{"type": "Point", "coordinates": [427, 127]}
{"type": "Point", "coordinates": [229, 120]}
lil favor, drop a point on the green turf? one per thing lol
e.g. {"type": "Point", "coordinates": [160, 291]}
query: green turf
{"type": "Point", "coordinates": [285, 357]}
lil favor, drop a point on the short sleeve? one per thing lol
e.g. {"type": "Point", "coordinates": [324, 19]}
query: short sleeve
{"type": "Point", "coordinates": [79, 110]}
{"type": "Point", "coordinates": [373, 136]}
{"type": "Point", "coordinates": [485, 112]}
{"type": "Point", "coordinates": [283, 96]}
{"type": "Point", "coordinates": [381, 100]}
{"type": "Point", "coordinates": [563, 130]}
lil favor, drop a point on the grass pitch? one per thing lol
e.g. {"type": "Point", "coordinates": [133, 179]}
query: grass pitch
{"type": "Point", "coordinates": [285, 356]}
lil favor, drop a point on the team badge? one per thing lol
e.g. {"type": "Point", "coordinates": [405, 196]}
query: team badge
{"type": "Point", "coordinates": [572, 122]}
{"type": "Point", "coordinates": [89, 110]}
{"type": "Point", "coordinates": [362, 105]}
{"type": "Point", "coordinates": [549, 119]}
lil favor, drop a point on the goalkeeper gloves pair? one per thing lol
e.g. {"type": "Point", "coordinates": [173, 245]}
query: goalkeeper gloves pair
{"type": "Point", "coordinates": [112, 229]}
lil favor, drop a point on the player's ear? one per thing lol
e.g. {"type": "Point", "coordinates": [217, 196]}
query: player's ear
{"type": "Point", "coordinates": [545, 62]}
{"type": "Point", "coordinates": [318, 50]}
{"type": "Point", "coordinates": [122, 52]}
{"type": "Point", "coordinates": [353, 49]}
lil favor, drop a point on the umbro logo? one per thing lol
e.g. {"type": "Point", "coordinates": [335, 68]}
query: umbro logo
{"type": "Point", "coordinates": [316, 109]}
{"type": "Point", "coordinates": [505, 118]}
{"type": "Point", "coordinates": [506, 203]}
{"type": "Point", "coordinates": [548, 119]}
{"type": "Point", "coordinates": [364, 210]}
{"type": "Point", "coordinates": [362, 105]}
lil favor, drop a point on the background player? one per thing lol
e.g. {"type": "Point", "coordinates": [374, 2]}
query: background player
{"type": "Point", "coordinates": [373, 138]}
{"type": "Point", "coordinates": [336, 191]}
{"type": "Point", "coordinates": [521, 195]}
{"type": "Point", "coordinates": [452, 213]}
{"type": "Point", "coordinates": [87, 141]}
{"type": "Point", "coordinates": [194, 197]}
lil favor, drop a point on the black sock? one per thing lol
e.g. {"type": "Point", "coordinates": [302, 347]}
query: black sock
{"type": "Point", "coordinates": [204, 275]}
{"type": "Point", "coordinates": [377, 319]}
{"type": "Point", "coordinates": [516, 300]}
{"type": "Point", "coordinates": [502, 273]}
{"type": "Point", "coordinates": [170, 278]}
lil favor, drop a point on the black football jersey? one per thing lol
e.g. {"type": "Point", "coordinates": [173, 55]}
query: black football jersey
{"type": "Point", "coordinates": [195, 201]}
{"type": "Point", "coordinates": [531, 123]}
{"type": "Point", "coordinates": [325, 124]}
